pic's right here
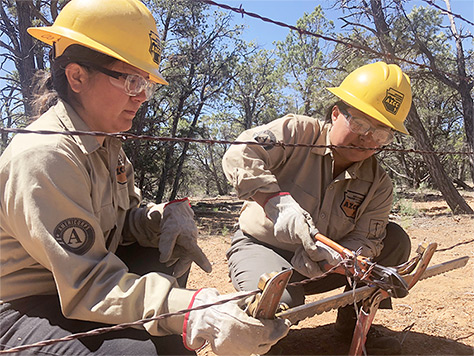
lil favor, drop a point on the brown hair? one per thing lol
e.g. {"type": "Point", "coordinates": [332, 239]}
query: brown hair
{"type": "Point", "coordinates": [340, 104]}
{"type": "Point", "coordinates": [49, 86]}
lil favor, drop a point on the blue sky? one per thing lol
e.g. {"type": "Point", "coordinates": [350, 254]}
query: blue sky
{"type": "Point", "coordinates": [289, 11]}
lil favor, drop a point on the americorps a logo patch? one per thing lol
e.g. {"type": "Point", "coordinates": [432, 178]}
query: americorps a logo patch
{"type": "Point", "coordinates": [75, 235]}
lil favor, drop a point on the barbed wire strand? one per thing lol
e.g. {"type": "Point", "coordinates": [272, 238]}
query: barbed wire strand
{"type": "Point", "coordinates": [347, 263]}
{"type": "Point", "coordinates": [99, 331]}
{"type": "Point", "coordinates": [129, 136]}
{"type": "Point", "coordinates": [302, 31]}
{"type": "Point", "coordinates": [432, 3]}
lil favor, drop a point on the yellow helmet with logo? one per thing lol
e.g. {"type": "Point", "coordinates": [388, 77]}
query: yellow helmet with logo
{"type": "Point", "coordinates": [379, 90]}
{"type": "Point", "coordinates": [122, 29]}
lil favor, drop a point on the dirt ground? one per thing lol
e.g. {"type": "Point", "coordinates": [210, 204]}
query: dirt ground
{"type": "Point", "coordinates": [436, 318]}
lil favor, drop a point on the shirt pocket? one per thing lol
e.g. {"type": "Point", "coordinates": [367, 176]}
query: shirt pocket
{"type": "Point", "coordinates": [107, 218]}
{"type": "Point", "coordinates": [123, 198]}
{"type": "Point", "coordinates": [307, 201]}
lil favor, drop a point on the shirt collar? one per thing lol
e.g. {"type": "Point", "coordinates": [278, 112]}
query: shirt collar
{"type": "Point", "coordinates": [73, 122]}
{"type": "Point", "coordinates": [323, 139]}
{"type": "Point", "coordinates": [358, 170]}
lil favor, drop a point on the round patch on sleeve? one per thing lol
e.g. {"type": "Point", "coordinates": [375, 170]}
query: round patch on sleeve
{"type": "Point", "coordinates": [267, 137]}
{"type": "Point", "coordinates": [75, 235]}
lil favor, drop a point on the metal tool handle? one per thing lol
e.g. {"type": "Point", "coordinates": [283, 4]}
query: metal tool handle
{"type": "Point", "coordinates": [266, 303]}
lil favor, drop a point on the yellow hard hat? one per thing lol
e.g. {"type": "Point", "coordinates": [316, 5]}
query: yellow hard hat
{"type": "Point", "coordinates": [379, 90]}
{"type": "Point", "coordinates": [122, 29]}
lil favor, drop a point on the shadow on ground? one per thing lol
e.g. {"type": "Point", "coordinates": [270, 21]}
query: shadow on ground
{"type": "Point", "coordinates": [322, 340]}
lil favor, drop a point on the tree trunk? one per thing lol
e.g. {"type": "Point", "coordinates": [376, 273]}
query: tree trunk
{"type": "Point", "coordinates": [464, 88]}
{"type": "Point", "coordinates": [25, 63]}
{"type": "Point", "coordinates": [184, 154]}
{"type": "Point", "coordinates": [454, 200]}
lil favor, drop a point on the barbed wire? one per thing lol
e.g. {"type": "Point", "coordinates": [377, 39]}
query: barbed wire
{"type": "Point", "coordinates": [302, 31]}
{"type": "Point", "coordinates": [125, 136]}
{"type": "Point", "coordinates": [122, 326]}
{"type": "Point", "coordinates": [347, 263]}
{"type": "Point", "coordinates": [432, 3]}
{"type": "Point", "coordinates": [117, 327]}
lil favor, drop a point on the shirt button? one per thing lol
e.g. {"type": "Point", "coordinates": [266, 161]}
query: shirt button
{"type": "Point", "coordinates": [331, 187]}
{"type": "Point", "coordinates": [323, 216]}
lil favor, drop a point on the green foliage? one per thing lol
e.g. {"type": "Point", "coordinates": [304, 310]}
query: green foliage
{"type": "Point", "coordinates": [221, 85]}
{"type": "Point", "coordinates": [302, 61]}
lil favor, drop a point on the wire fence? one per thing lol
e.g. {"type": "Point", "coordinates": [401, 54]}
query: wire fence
{"type": "Point", "coordinates": [388, 56]}
{"type": "Point", "coordinates": [125, 136]}
{"type": "Point", "coordinates": [129, 136]}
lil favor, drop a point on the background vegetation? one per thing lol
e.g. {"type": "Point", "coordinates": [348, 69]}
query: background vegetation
{"type": "Point", "coordinates": [221, 85]}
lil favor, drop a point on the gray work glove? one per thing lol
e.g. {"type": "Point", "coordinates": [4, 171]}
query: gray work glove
{"type": "Point", "coordinates": [309, 261]}
{"type": "Point", "coordinates": [178, 239]}
{"type": "Point", "coordinates": [292, 224]}
{"type": "Point", "coordinates": [228, 329]}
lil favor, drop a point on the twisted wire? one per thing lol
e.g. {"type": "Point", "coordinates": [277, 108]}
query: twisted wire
{"type": "Point", "coordinates": [301, 31]}
{"type": "Point", "coordinates": [129, 136]}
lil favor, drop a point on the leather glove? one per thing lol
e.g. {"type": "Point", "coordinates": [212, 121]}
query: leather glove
{"type": "Point", "coordinates": [292, 224]}
{"type": "Point", "coordinates": [309, 260]}
{"type": "Point", "coordinates": [178, 239]}
{"type": "Point", "coordinates": [228, 329]}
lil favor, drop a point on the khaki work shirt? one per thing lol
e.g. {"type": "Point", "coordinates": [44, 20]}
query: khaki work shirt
{"type": "Point", "coordinates": [352, 208]}
{"type": "Point", "coordinates": [67, 202]}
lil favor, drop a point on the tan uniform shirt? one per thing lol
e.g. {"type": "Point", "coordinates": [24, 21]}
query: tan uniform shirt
{"type": "Point", "coordinates": [352, 209]}
{"type": "Point", "coordinates": [64, 204]}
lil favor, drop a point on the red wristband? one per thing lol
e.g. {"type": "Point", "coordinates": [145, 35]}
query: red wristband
{"type": "Point", "coordinates": [275, 195]}
{"type": "Point", "coordinates": [177, 201]}
{"type": "Point", "coordinates": [186, 318]}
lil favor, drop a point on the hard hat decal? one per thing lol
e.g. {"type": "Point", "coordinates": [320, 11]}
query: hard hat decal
{"type": "Point", "coordinates": [155, 47]}
{"type": "Point", "coordinates": [392, 101]}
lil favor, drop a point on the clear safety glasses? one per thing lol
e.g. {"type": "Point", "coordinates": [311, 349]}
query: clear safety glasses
{"type": "Point", "coordinates": [360, 126]}
{"type": "Point", "coordinates": [132, 84]}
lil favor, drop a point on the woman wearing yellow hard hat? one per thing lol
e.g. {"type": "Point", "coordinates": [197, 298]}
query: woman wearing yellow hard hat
{"type": "Point", "coordinates": [78, 250]}
{"type": "Point", "coordinates": [338, 189]}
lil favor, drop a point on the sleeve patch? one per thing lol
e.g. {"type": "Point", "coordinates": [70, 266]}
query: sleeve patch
{"type": "Point", "coordinates": [265, 136]}
{"type": "Point", "coordinates": [75, 235]}
{"type": "Point", "coordinates": [376, 228]}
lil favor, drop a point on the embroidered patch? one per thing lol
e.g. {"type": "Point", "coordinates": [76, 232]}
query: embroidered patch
{"type": "Point", "coordinates": [155, 47]}
{"type": "Point", "coordinates": [75, 235]}
{"type": "Point", "coordinates": [375, 228]}
{"type": "Point", "coordinates": [351, 203]}
{"type": "Point", "coordinates": [120, 171]}
{"type": "Point", "coordinates": [392, 101]}
{"type": "Point", "coordinates": [265, 137]}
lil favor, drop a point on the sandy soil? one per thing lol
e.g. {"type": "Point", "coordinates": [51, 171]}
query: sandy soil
{"type": "Point", "coordinates": [436, 318]}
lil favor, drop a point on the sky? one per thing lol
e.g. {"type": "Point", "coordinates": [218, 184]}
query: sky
{"type": "Point", "coordinates": [289, 11]}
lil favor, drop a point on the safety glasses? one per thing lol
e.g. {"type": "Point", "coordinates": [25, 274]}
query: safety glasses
{"type": "Point", "coordinates": [360, 126]}
{"type": "Point", "coordinates": [132, 84]}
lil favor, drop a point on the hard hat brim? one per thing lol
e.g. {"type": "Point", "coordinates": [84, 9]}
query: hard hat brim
{"type": "Point", "coordinates": [50, 34]}
{"type": "Point", "coordinates": [355, 102]}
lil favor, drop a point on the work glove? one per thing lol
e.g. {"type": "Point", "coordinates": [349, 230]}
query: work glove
{"type": "Point", "coordinates": [178, 239]}
{"type": "Point", "coordinates": [228, 329]}
{"type": "Point", "coordinates": [310, 260]}
{"type": "Point", "coordinates": [291, 223]}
